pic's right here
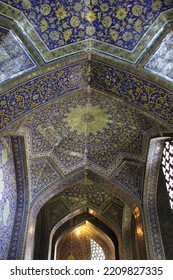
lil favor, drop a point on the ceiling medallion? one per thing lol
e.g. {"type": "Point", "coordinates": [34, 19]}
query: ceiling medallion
{"type": "Point", "coordinates": [87, 119]}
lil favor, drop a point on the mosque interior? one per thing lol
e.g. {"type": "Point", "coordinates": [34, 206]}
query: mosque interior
{"type": "Point", "coordinates": [86, 129]}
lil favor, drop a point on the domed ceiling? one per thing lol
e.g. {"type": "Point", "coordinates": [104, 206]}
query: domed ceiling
{"type": "Point", "coordinates": [90, 130]}
{"type": "Point", "coordinates": [87, 84]}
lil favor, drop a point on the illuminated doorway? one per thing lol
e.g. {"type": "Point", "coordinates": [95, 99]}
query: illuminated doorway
{"type": "Point", "coordinates": [85, 242]}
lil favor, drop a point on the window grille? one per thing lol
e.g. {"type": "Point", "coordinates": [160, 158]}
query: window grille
{"type": "Point", "coordinates": [167, 167]}
{"type": "Point", "coordinates": [97, 252]}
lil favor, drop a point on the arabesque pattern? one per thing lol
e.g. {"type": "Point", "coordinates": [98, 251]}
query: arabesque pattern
{"type": "Point", "coordinates": [119, 23]}
{"type": "Point", "coordinates": [101, 129]}
{"type": "Point", "coordinates": [131, 88]}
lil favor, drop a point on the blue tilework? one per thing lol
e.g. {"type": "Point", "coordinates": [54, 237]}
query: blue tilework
{"type": "Point", "coordinates": [161, 63]}
{"type": "Point", "coordinates": [119, 23]}
{"type": "Point", "coordinates": [133, 89]}
{"type": "Point", "coordinates": [19, 222]}
{"type": "Point", "coordinates": [42, 175]}
{"type": "Point", "coordinates": [14, 59]}
{"type": "Point", "coordinates": [114, 128]}
{"type": "Point", "coordinates": [137, 91]}
{"type": "Point", "coordinates": [42, 90]}
{"type": "Point", "coordinates": [131, 177]}
{"type": "Point", "coordinates": [8, 197]}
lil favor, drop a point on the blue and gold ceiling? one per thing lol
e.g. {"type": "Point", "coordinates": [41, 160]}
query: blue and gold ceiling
{"type": "Point", "coordinates": [119, 28]}
{"type": "Point", "coordinates": [87, 127]}
{"type": "Point", "coordinates": [118, 23]}
{"type": "Point", "coordinates": [87, 83]}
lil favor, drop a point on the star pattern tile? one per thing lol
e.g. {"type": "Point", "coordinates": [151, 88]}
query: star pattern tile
{"type": "Point", "coordinates": [86, 118]}
{"type": "Point", "coordinates": [101, 129]}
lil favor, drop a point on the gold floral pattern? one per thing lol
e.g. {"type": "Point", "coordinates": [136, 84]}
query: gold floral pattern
{"type": "Point", "coordinates": [134, 17]}
{"type": "Point", "coordinates": [90, 16]}
{"type": "Point", "coordinates": [121, 13]}
{"type": "Point", "coordinates": [61, 13]}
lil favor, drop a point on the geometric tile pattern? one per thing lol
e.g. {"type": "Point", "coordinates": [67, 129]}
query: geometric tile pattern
{"type": "Point", "coordinates": [42, 175]}
{"type": "Point", "coordinates": [55, 210]}
{"type": "Point", "coordinates": [150, 199]}
{"type": "Point", "coordinates": [85, 192]}
{"type": "Point", "coordinates": [14, 59]}
{"type": "Point", "coordinates": [85, 127]}
{"type": "Point", "coordinates": [134, 180]}
{"type": "Point", "coordinates": [8, 196]}
{"type": "Point", "coordinates": [144, 94]}
{"type": "Point", "coordinates": [22, 200]}
{"type": "Point", "coordinates": [114, 213]}
{"type": "Point", "coordinates": [126, 233]}
{"type": "Point", "coordinates": [161, 63]}
{"type": "Point", "coordinates": [89, 246]}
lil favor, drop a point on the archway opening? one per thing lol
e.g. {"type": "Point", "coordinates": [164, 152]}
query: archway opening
{"type": "Point", "coordinates": [85, 242]}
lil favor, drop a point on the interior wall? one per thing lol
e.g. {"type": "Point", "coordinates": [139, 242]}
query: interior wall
{"type": "Point", "coordinates": [153, 238]}
{"type": "Point", "coordinates": [135, 250]}
{"type": "Point", "coordinates": [77, 244]}
{"type": "Point", "coordinates": [138, 241]}
{"type": "Point", "coordinates": [165, 215]}
{"type": "Point", "coordinates": [8, 196]}
{"type": "Point", "coordinates": [42, 234]}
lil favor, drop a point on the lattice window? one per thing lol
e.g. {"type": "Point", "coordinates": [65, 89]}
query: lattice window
{"type": "Point", "coordinates": [97, 252]}
{"type": "Point", "coordinates": [167, 166]}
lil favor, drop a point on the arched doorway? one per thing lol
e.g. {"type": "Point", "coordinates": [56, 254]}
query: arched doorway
{"type": "Point", "coordinates": [85, 242]}
{"type": "Point", "coordinates": [55, 213]}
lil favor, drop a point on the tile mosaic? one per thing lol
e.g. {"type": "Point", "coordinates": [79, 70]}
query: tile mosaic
{"type": "Point", "coordinates": [8, 196]}
{"type": "Point", "coordinates": [131, 176]}
{"type": "Point", "coordinates": [57, 28]}
{"type": "Point", "coordinates": [161, 62]}
{"type": "Point", "coordinates": [22, 199]}
{"type": "Point", "coordinates": [42, 174]}
{"type": "Point", "coordinates": [120, 23]}
{"type": "Point", "coordinates": [14, 59]}
{"type": "Point", "coordinates": [86, 127]}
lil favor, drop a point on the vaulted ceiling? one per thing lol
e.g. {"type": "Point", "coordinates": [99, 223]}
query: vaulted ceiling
{"type": "Point", "coordinates": [87, 83]}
